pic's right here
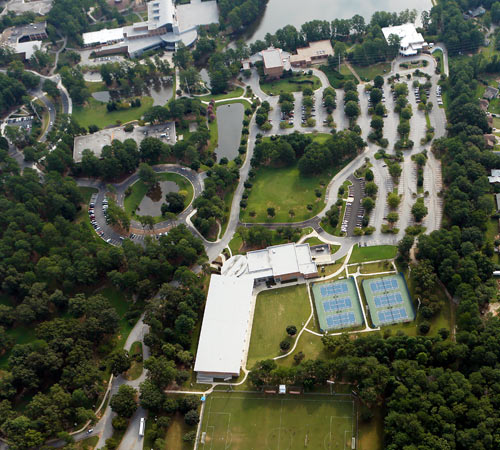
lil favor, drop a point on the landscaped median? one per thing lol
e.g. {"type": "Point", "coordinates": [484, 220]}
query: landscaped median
{"type": "Point", "coordinates": [140, 189]}
{"type": "Point", "coordinates": [295, 83]}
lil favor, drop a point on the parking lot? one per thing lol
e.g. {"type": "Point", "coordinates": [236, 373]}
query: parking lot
{"type": "Point", "coordinates": [21, 122]}
{"type": "Point", "coordinates": [96, 141]}
{"type": "Point", "coordinates": [354, 211]}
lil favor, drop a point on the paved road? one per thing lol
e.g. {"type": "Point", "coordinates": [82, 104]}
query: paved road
{"type": "Point", "coordinates": [406, 188]}
{"type": "Point", "coordinates": [213, 249]}
{"type": "Point", "coordinates": [109, 233]}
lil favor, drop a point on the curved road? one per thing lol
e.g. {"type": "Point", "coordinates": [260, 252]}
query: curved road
{"type": "Point", "coordinates": [213, 249]}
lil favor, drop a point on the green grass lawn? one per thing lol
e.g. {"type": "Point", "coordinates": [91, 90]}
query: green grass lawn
{"type": "Point", "coordinates": [21, 335]}
{"type": "Point", "coordinates": [284, 189]}
{"type": "Point", "coordinates": [139, 190]}
{"type": "Point", "coordinates": [173, 439]}
{"type": "Point", "coordinates": [438, 55]}
{"type": "Point", "coordinates": [368, 73]}
{"type": "Point", "coordinates": [242, 421]}
{"type": "Point", "coordinates": [287, 85]}
{"type": "Point", "coordinates": [491, 233]}
{"type": "Point", "coordinates": [121, 305]}
{"type": "Point", "coordinates": [236, 92]}
{"type": "Point", "coordinates": [136, 368]}
{"type": "Point", "coordinates": [373, 253]}
{"type": "Point", "coordinates": [95, 112]}
{"type": "Point", "coordinates": [274, 311]}
{"type": "Point", "coordinates": [86, 444]}
{"type": "Point", "coordinates": [374, 267]}
{"type": "Point", "coordinates": [337, 79]}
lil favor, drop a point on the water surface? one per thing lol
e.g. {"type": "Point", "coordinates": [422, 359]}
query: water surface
{"type": "Point", "coordinates": [229, 126]}
{"type": "Point", "coordinates": [151, 203]}
{"type": "Point", "coordinates": [279, 13]}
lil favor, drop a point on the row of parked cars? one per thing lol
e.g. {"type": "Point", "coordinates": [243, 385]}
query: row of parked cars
{"type": "Point", "coordinates": [92, 217]}
{"type": "Point", "coordinates": [438, 95]}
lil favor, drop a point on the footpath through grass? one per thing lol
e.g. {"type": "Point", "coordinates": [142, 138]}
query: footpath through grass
{"type": "Point", "coordinates": [274, 311]}
{"type": "Point", "coordinates": [373, 253]}
{"type": "Point", "coordinates": [96, 113]}
{"type": "Point", "coordinates": [236, 92]}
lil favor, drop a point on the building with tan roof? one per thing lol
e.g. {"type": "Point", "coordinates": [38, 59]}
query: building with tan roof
{"type": "Point", "coordinates": [316, 53]}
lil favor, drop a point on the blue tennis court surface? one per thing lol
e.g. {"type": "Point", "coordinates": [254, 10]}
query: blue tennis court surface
{"type": "Point", "coordinates": [337, 304]}
{"type": "Point", "coordinates": [392, 315]}
{"type": "Point", "coordinates": [384, 285]}
{"type": "Point", "coordinates": [341, 320]}
{"type": "Point", "coordinates": [334, 289]}
{"type": "Point", "coordinates": [388, 300]}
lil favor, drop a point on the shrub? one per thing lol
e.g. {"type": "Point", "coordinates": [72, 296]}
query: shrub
{"type": "Point", "coordinates": [285, 345]}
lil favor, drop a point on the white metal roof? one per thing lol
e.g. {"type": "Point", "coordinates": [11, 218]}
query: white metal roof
{"type": "Point", "coordinates": [225, 323]}
{"type": "Point", "coordinates": [272, 58]}
{"type": "Point", "coordinates": [408, 34]}
{"type": "Point", "coordinates": [160, 13]}
{"type": "Point", "coordinates": [280, 260]}
{"type": "Point", "coordinates": [28, 48]}
{"type": "Point", "coordinates": [103, 36]}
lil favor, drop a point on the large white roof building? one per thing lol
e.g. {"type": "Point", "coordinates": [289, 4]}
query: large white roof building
{"type": "Point", "coordinates": [279, 262]}
{"type": "Point", "coordinates": [167, 26]}
{"type": "Point", "coordinates": [225, 331]}
{"type": "Point", "coordinates": [411, 41]}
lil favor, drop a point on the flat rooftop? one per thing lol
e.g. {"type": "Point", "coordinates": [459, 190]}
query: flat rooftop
{"type": "Point", "coordinates": [272, 58]}
{"type": "Point", "coordinates": [315, 50]}
{"type": "Point", "coordinates": [272, 262]}
{"type": "Point", "coordinates": [226, 320]}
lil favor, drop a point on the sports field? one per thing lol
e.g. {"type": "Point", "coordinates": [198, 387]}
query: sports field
{"type": "Point", "coordinates": [337, 305]}
{"type": "Point", "coordinates": [239, 421]}
{"type": "Point", "coordinates": [388, 300]}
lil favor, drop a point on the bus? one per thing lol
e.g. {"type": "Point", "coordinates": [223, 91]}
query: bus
{"type": "Point", "coordinates": [142, 426]}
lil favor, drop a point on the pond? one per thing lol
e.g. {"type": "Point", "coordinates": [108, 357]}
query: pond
{"type": "Point", "coordinates": [102, 96]}
{"type": "Point", "coordinates": [161, 93]}
{"type": "Point", "coordinates": [205, 77]}
{"type": "Point", "coordinates": [279, 13]}
{"type": "Point", "coordinates": [151, 203]}
{"type": "Point", "coordinates": [229, 126]}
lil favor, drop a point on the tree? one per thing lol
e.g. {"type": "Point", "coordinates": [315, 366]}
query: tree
{"type": "Point", "coordinates": [191, 418]}
{"type": "Point", "coordinates": [119, 362]}
{"type": "Point", "coordinates": [375, 96]}
{"type": "Point", "coordinates": [160, 370]}
{"type": "Point", "coordinates": [175, 202]}
{"type": "Point", "coordinates": [371, 189]}
{"type": "Point", "coordinates": [368, 204]}
{"type": "Point", "coordinates": [51, 88]}
{"type": "Point", "coordinates": [393, 200]}
{"type": "Point", "coordinates": [378, 82]}
{"type": "Point", "coordinates": [285, 345]}
{"type": "Point", "coordinates": [124, 401]}
{"type": "Point", "coordinates": [419, 210]}
{"type": "Point", "coordinates": [147, 175]}
{"type": "Point", "coordinates": [271, 212]}
{"type": "Point", "coordinates": [291, 330]}
{"type": "Point", "coordinates": [392, 217]}
{"type": "Point", "coordinates": [352, 109]}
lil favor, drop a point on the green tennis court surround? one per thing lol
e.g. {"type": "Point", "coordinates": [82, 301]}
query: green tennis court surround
{"type": "Point", "coordinates": [337, 305]}
{"type": "Point", "coordinates": [388, 300]}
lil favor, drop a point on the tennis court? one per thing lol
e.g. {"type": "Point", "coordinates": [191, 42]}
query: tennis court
{"type": "Point", "coordinates": [388, 300]}
{"type": "Point", "coordinates": [337, 305]}
{"type": "Point", "coordinates": [245, 421]}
